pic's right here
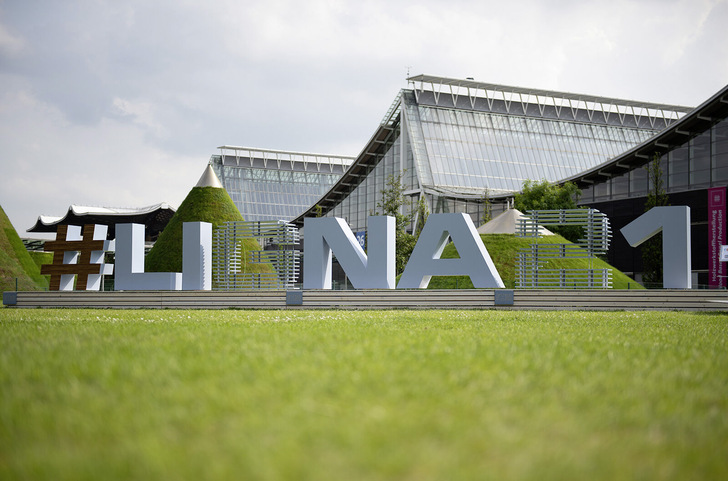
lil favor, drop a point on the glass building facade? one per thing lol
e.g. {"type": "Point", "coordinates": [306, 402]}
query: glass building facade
{"type": "Point", "coordinates": [275, 185]}
{"type": "Point", "coordinates": [698, 163]}
{"type": "Point", "coordinates": [455, 141]}
{"type": "Point", "coordinates": [693, 158]}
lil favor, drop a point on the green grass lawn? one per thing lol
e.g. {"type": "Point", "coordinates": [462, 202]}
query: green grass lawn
{"type": "Point", "coordinates": [503, 250]}
{"type": "Point", "coordinates": [420, 395]}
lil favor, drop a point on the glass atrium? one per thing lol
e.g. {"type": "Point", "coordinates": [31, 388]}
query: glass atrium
{"type": "Point", "coordinates": [455, 141]}
{"type": "Point", "coordinates": [272, 184]}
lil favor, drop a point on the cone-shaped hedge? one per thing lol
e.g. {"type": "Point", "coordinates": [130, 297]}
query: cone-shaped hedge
{"type": "Point", "coordinates": [16, 262]}
{"type": "Point", "coordinates": [202, 204]}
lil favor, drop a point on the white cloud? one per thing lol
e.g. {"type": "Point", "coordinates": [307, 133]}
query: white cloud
{"type": "Point", "coordinates": [124, 102]}
{"type": "Point", "coordinates": [49, 163]}
{"type": "Point", "coordinates": [9, 44]}
{"type": "Point", "coordinates": [142, 113]}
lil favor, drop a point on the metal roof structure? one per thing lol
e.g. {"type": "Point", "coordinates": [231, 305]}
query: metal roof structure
{"type": "Point", "coordinates": [692, 124]}
{"type": "Point", "coordinates": [363, 164]}
{"type": "Point", "coordinates": [155, 217]}
{"type": "Point", "coordinates": [284, 158]}
{"type": "Point", "coordinates": [472, 88]}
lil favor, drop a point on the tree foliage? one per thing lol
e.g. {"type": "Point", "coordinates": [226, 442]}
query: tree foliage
{"type": "Point", "coordinates": [393, 200]}
{"type": "Point", "coordinates": [318, 210]}
{"type": "Point", "coordinates": [652, 249]}
{"type": "Point", "coordinates": [487, 207]}
{"type": "Point", "coordinates": [544, 195]}
{"type": "Point", "coordinates": [423, 212]}
{"type": "Point", "coordinates": [391, 204]}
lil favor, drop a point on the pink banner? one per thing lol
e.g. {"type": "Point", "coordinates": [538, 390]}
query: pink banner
{"type": "Point", "coordinates": [716, 236]}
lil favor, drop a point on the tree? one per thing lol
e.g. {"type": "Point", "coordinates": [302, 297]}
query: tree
{"type": "Point", "coordinates": [487, 207]}
{"type": "Point", "coordinates": [546, 196]}
{"type": "Point", "coordinates": [652, 248]}
{"type": "Point", "coordinates": [423, 212]}
{"type": "Point", "coordinates": [391, 204]}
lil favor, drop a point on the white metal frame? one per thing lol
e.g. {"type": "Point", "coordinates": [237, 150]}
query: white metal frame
{"type": "Point", "coordinates": [530, 261]}
{"type": "Point", "coordinates": [284, 257]}
{"type": "Point", "coordinates": [591, 104]}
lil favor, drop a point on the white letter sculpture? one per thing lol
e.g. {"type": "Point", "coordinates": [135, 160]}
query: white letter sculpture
{"type": "Point", "coordinates": [97, 257]}
{"type": "Point", "coordinates": [674, 223]}
{"type": "Point", "coordinates": [474, 259]}
{"type": "Point", "coordinates": [326, 234]}
{"type": "Point", "coordinates": [196, 256]}
{"type": "Point", "coordinates": [130, 273]}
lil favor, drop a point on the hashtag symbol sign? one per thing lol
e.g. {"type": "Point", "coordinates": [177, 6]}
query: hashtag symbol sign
{"type": "Point", "coordinates": [76, 255]}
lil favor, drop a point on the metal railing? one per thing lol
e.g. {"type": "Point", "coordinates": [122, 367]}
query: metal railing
{"type": "Point", "coordinates": [276, 265]}
{"type": "Point", "coordinates": [530, 261]}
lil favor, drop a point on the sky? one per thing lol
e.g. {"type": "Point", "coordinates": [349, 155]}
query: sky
{"type": "Point", "coordinates": [122, 103]}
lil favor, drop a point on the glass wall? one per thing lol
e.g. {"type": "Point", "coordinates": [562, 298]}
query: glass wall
{"type": "Point", "coordinates": [475, 150]}
{"type": "Point", "coordinates": [271, 194]}
{"type": "Point", "coordinates": [363, 199]}
{"type": "Point", "coordinates": [460, 153]}
{"type": "Point", "coordinates": [700, 163]}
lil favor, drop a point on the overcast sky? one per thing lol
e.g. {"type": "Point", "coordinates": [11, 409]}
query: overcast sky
{"type": "Point", "coordinates": [121, 103]}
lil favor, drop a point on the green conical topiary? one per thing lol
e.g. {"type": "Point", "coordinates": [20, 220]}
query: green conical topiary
{"type": "Point", "coordinates": [202, 204]}
{"type": "Point", "coordinates": [15, 261]}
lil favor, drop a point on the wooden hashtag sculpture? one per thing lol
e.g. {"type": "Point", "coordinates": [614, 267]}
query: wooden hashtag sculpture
{"type": "Point", "coordinates": [82, 258]}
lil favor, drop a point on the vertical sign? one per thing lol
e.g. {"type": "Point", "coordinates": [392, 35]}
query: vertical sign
{"type": "Point", "coordinates": [716, 236]}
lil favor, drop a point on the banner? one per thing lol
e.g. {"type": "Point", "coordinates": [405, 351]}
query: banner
{"type": "Point", "coordinates": [716, 237]}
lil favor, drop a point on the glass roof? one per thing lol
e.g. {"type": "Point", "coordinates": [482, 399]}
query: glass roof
{"type": "Point", "coordinates": [466, 151]}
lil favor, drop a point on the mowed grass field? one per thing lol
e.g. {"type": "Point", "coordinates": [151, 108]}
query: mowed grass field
{"type": "Point", "coordinates": [406, 395]}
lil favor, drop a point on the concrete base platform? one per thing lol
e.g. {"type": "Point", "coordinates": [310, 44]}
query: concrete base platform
{"type": "Point", "coordinates": [567, 299]}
